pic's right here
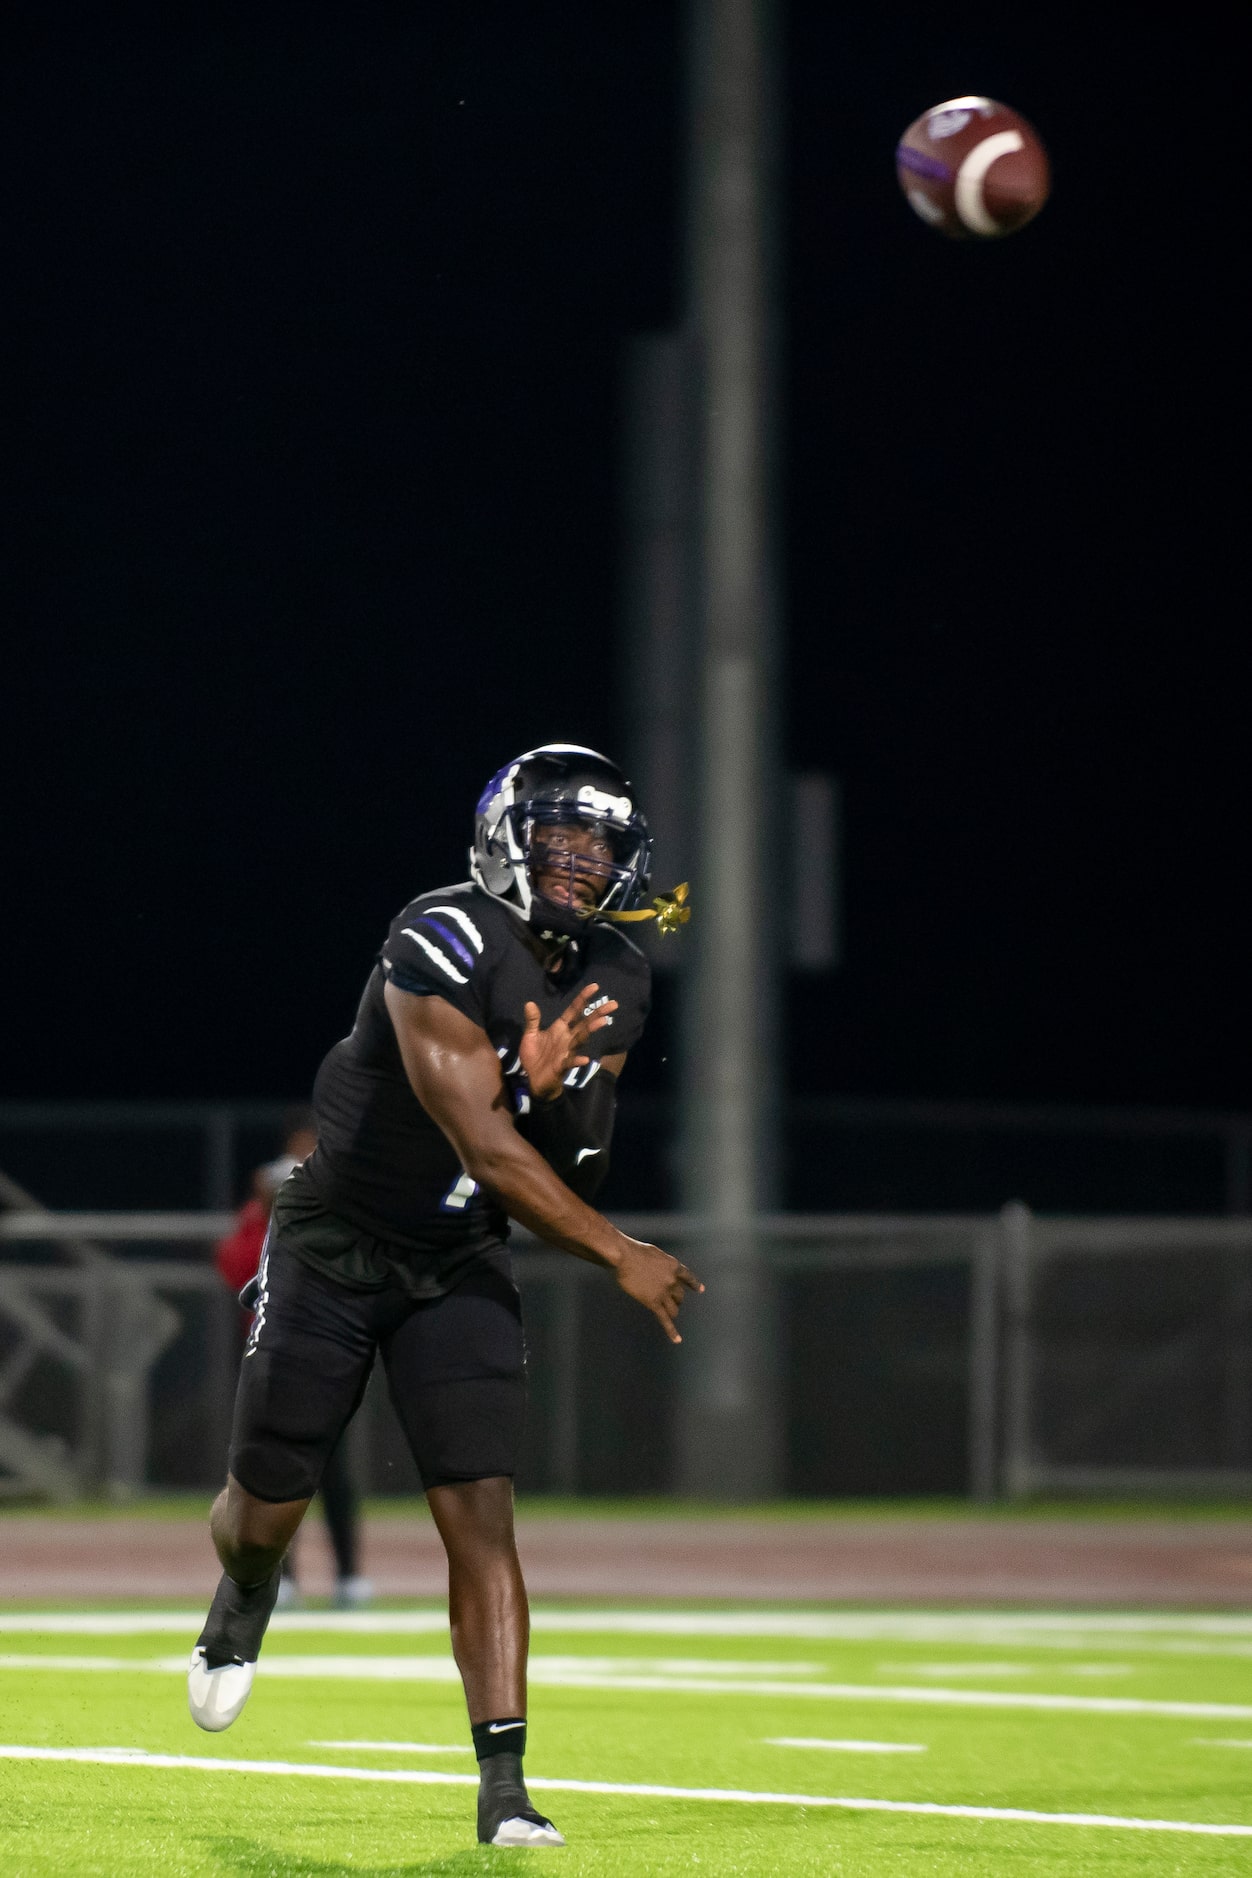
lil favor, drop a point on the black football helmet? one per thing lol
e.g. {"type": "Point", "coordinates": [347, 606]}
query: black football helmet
{"type": "Point", "coordinates": [560, 785]}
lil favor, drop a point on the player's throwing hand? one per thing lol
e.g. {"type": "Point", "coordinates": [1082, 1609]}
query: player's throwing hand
{"type": "Point", "coordinates": [549, 1055]}
{"type": "Point", "coordinates": [656, 1280]}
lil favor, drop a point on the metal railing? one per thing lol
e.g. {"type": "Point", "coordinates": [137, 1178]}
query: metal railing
{"type": "Point", "coordinates": [1078, 1338]}
{"type": "Point", "coordinates": [948, 1154]}
{"type": "Point", "coordinates": [1065, 1382]}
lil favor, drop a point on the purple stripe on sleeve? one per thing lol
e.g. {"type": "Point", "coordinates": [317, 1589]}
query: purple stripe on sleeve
{"type": "Point", "coordinates": [449, 938]}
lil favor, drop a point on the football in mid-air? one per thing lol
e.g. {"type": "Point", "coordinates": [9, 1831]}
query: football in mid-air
{"type": "Point", "coordinates": [973, 169]}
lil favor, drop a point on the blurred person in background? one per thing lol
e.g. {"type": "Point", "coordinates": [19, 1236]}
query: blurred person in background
{"type": "Point", "coordinates": [237, 1258]}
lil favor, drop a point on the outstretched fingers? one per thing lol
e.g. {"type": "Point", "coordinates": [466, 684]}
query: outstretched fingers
{"type": "Point", "coordinates": [666, 1309]}
{"type": "Point", "coordinates": [584, 1014]}
{"type": "Point", "coordinates": [578, 1004]}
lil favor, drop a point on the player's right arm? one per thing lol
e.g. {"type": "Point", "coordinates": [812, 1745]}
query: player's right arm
{"type": "Point", "coordinates": [455, 1074]}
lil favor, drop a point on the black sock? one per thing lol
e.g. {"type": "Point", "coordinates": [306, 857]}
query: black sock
{"type": "Point", "coordinates": [502, 1793]}
{"type": "Point", "coordinates": [493, 1738]}
{"type": "Point", "coordinates": [236, 1621]}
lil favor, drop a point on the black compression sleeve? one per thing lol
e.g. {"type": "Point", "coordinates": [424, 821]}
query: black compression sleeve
{"type": "Point", "coordinates": [573, 1133]}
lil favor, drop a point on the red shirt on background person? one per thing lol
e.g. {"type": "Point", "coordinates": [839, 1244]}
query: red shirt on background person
{"type": "Point", "coordinates": [239, 1253]}
{"type": "Point", "coordinates": [237, 1257]}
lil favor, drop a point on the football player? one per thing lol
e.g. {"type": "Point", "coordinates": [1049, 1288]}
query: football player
{"type": "Point", "coordinates": [477, 1085]}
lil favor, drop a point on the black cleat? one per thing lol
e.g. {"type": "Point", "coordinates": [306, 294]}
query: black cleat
{"type": "Point", "coordinates": [505, 1814]}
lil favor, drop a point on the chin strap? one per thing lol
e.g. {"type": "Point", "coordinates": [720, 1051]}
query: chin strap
{"type": "Point", "coordinates": [669, 910]}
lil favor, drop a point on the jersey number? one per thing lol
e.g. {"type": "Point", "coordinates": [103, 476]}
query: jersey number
{"type": "Point", "coordinates": [459, 1194]}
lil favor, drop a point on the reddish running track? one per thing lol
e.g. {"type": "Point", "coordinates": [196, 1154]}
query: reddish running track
{"type": "Point", "coordinates": [875, 1561]}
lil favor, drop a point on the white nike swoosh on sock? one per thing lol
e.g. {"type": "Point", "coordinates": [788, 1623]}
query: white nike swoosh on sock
{"type": "Point", "coordinates": [502, 1728]}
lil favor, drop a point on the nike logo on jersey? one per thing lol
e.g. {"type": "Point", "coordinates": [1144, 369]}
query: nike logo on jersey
{"type": "Point", "coordinates": [584, 1154]}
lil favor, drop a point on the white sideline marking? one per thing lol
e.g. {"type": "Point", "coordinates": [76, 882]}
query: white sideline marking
{"type": "Point", "coordinates": [1049, 1629]}
{"type": "Point", "coordinates": [751, 1623]}
{"type": "Point", "coordinates": [104, 1757]}
{"type": "Point", "coordinates": [1201, 1742]}
{"type": "Point", "coordinates": [673, 1666]}
{"type": "Point", "coordinates": [144, 1663]}
{"type": "Point", "coordinates": [398, 1747]}
{"type": "Point", "coordinates": [575, 1672]}
{"type": "Point", "coordinates": [976, 1669]}
{"type": "Point", "coordinates": [849, 1747]}
{"type": "Point", "coordinates": [959, 1669]}
{"type": "Point", "coordinates": [443, 1669]}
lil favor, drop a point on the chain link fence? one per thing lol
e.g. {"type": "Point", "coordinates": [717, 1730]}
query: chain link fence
{"type": "Point", "coordinates": [995, 1355]}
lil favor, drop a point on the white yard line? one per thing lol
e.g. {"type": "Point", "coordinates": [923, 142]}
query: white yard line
{"type": "Point", "coordinates": [186, 1623]}
{"type": "Point", "coordinates": [143, 1664]}
{"type": "Point", "coordinates": [111, 1757]}
{"type": "Point", "coordinates": [1149, 1633]}
{"type": "Point", "coordinates": [744, 1623]}
{"type": "Point", "coordinates": [844, 1747]}
{"type": "Point", "coordinates": [396, 1747]}
{"type": "Point", "coordinates": [974, 1667]}
{"type": "Point", "coordinates": [443, 1670]}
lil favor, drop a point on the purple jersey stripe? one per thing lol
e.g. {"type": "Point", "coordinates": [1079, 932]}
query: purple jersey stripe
{"type": "Point", "coordinates": [449, 938]}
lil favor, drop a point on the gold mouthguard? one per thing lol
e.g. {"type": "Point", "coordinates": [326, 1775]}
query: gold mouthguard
{"type": "Point", "coordinates": [669, 910]}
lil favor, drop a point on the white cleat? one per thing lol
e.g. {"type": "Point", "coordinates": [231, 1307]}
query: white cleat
{"type": "Point", "coordinates": [352, 1594]}
{"type": "Point", "coordinates": [216, 1696]}
{"type": "Point", "coordinates": [520, 1831]}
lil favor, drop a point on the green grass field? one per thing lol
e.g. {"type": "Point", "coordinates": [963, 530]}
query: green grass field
{"type": "Point", "coordinates": [353, 1757]}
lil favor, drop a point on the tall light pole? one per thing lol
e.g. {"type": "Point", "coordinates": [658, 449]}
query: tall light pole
{"type": "Point", "coordinates": [728, 1431]}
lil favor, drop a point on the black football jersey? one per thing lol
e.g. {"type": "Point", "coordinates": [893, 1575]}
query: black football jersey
{"type": "Point", "coordinates": [381, 1163]}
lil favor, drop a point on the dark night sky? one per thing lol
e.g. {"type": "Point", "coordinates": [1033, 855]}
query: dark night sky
{"type": "Point", "coordinates": [314, 337]}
